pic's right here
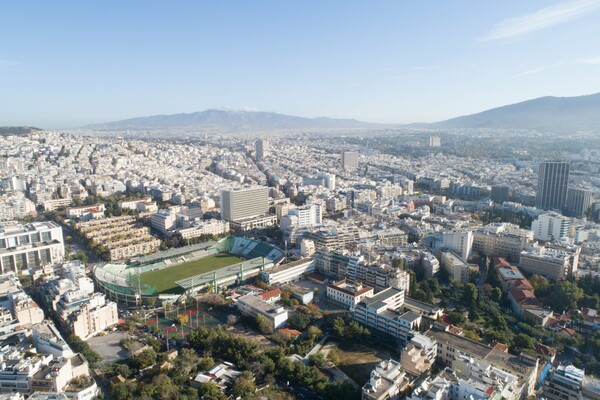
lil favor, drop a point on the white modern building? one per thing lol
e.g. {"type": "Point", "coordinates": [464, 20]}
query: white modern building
{"type": "Point", "coordinates": [551, 227]}
{"type": "Point", "coordinates": [388, 380]}
{"type": "Point", "coordinates": [253, 305]}
{"type": "Point", "coordinates": [383, 312]}
{"type": "Point", "coordinates": [243, 203]}
{"type": "Point", "coordinates": [28, 246]}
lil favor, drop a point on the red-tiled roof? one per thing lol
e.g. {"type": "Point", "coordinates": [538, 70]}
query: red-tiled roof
{"type": "Point", "coordinates": [266, 296]}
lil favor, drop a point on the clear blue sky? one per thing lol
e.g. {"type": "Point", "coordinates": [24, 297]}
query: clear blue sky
{"type": "Point", "coordinates": [68, 63]}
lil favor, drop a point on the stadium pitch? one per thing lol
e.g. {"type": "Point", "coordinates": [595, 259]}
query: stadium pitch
{"type": "Point", "coordinates": [164, 280]}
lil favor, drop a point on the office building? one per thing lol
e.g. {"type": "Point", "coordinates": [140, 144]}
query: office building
{"type": "Point", "coordinates": [579, 202]}
{"type": "Point", "coordinates": [349, 160]}
{"type": "Point", "coordinates": [501, 240]}
{"type": "Point", "coordinates": [553, 178]}
{"type": "Point", "coordinates": [499, 194]}
{"type": "Point", "coordinates": [554, 263]}
{"type": "Point", "coordinates": [434, 141]}
{"type": "Point", "coordinates": [244, 203]}
{"type": "Point", "coordinates": [551, 227]}
{"type": "Point", "coordinates": [28, 246]}
{"type": "Point", "coordinates": [262, 149]}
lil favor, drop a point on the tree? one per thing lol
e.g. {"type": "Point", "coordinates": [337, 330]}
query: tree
{"type": "Point", "coordinates": [398, 263]}
{"type": "Point", "coordinates": [231, 319]}
{"type": "Point", "coordinates": [186, 362]}
{"type": "Point", "coordinates": [146, 358]}
{"type": "Point", "coordinates": [314, 333]}
{"type": "Point", "coordinates": [298, 321]}
{"type": "Point", "coordinates": [210, 390]}
{"type": "Point", "coordinates": [540, 285]}
{"type": "Point", "coordinates": [564, 296]}
{"type": "Point", "coordinates": [317, 360]}
{"type": "Point", "coordinates": [79, 346]}
{"type": "Point", "coordinates": [182, 319]}
{"type": "Point", "coordinates": [121, 391]}
{"type": "Point", "coordinates": [339, 327]}
{"type": "Point", "coordinates": [334, 356]}
{"type": "Point", "coordinates": [522, 341]}
{"type": "Point", "coordinates": [244, 385]}
{"type": "Point", "coordinates": [496, 295]}
{"type": "Point", "coordinates": [470, 294]}
{"type": "Point", "coordinates": [206, 363]}
{"type": "Point", "coordinates": [264, 325]}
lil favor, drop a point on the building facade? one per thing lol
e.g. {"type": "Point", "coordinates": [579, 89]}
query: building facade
{"type": "Point", "coordinates": [553, 179]}
{"type": "Point", "coordinates": [28, 246]}
{"type": "Point", "coordinates": [243, 203]}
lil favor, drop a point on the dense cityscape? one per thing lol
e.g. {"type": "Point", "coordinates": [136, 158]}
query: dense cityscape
{"type": "Point", "coordinates": [315, 200]}
{"type": "Point", "coordinates": [305, 265]}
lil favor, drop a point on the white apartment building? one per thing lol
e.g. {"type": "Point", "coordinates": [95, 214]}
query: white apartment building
{"type": "Point", "coordinates": [210, 227]}
{"type": "Point", "coordinates": [551, 227]}
{"type": "Point", "coordinates": [289, 272]}
{"type": "Point", "coordinates": [462, 355]}
{"type": "Point", "coordinates": [387, 381]}
{"type": "Point", "coordinates": [80, 309]}
{"type": "Point", "coordinates": [253, 305]}
{"type": "Point", "coordinates": [164, 220]}
{"type": "Point", "coordinates": [301, 217]}
{"type": "Point", "coordinates": [93, 211]}
{"type": "Point", "coordinates": [47, 340]}
{"type": "Point", "coordinates": [460, 242]}
{"type": "Point", "coordinates": [382, 312]}
{"type": "Point", "coordinates": [564, 383]}
{"type": "Point", "coordinates": [417, 358]}
{"type": "Point", "coordinates": [28, 246]}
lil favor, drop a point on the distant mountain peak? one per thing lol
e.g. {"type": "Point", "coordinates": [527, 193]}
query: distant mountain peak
{"type": "Point", "coordinates": [229, 119]}
{"type": "Point", "coordinates": [543, 113]}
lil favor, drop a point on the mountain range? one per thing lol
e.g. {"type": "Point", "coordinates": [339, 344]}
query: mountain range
{"type": "Point", "coordinates": [544, 113]}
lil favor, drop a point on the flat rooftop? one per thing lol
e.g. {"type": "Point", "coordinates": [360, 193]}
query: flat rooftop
{"type": "Point", "coordinates": [382, 296]}
{"type": "Point", "coordinates": [261, 305]}
{"type": "Point", "coordinates": [460, 342]}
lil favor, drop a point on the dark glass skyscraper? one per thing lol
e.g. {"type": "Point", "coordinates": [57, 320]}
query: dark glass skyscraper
{"type": "Point", "coordinates": [553, 178]}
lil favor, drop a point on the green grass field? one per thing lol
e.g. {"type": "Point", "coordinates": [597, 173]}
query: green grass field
{"type": "Point", "coordinates": [164, 279]}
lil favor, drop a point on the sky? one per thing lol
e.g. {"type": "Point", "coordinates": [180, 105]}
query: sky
{"type": "Point", "coordinates": [66, 63]}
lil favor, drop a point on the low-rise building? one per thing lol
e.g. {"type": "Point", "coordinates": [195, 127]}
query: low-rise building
{"type": "Point", "coordinates": [383, 312]}
{"type": "Point", "coordinates": [388, 381]}
{"type": "Point", "coordinates": [417, 358]}
{"type": "Point", "coordinates": [253, 305]}
{"type": "Point", "coordinates": [348, 293]}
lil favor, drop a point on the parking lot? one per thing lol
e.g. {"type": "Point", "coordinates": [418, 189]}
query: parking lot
{"type": "Point", "coordinates": [109, 347]}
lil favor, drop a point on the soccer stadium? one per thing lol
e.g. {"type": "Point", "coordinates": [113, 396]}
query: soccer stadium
{"type": "Point", "coordinates": [186, 270]}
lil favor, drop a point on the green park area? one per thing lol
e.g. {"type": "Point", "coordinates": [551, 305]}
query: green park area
{"type": "Point", "coordinates": [164, 280]}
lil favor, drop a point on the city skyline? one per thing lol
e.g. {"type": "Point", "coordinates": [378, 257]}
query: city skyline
{"type": "Point", "coordinates": [71, 65]}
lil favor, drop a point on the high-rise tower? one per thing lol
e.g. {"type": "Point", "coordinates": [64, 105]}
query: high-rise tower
{"type": "Point", "coordinates": [553, 178]}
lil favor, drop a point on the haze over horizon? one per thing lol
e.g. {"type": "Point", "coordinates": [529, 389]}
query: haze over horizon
{"type": "Point", "coordinates": [75, 64]}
